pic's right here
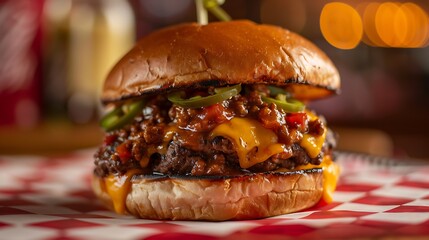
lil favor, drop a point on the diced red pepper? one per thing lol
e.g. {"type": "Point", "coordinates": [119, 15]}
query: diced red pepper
{"type": "Point", "coordinates": [109, 139]}
{"type": "Point", "coordinates": [296, 119]}
{"type": "Point", "coordinates": [215, 113]}
{"type": "Point", "coordinates": [123, 153]}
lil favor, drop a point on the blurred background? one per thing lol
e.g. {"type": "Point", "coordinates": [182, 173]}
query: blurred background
{"type": "Point", "coordinates": [54, 55]}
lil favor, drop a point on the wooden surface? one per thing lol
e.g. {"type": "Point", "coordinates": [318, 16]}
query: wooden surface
{"type": "Point", "coordinates": [49, 138]}
{"type": "Point", "coordinates": [370, 141]}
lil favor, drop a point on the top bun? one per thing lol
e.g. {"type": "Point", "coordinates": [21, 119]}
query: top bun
{"type": "Point", "coordinates": [220, 53]}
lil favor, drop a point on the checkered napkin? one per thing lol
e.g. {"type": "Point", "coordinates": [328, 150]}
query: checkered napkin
{"type": "Point", "coordinates": [49, 198]}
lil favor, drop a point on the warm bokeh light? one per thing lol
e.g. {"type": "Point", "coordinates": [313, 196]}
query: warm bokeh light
{"type": "Point", "coordinates": [399, 25]}
{"type": "Point", "coordinates": [387, 24]}
{"type": "Point", "coordinates": [368, 10]}
{"type": "Point", "coordinates": [341, 25]}
{"type": "Point", "coordinates": [418, 25]}
{"type": "Point", "coordinates": [390, 23]}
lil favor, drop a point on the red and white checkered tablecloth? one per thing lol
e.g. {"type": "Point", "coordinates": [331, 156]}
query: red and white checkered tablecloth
{"type": "Point", "coordinates": [50, 198]}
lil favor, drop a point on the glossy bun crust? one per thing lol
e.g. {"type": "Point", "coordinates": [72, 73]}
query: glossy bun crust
{"type": "Point", "coordinates": [193, 55]}
{"type": "Point", "coordinates": [251, 196]}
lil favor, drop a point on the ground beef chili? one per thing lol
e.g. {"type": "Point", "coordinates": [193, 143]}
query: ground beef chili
{"type": "Point", "coordinates": [188, 151]}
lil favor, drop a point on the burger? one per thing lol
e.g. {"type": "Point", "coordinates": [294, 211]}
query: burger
{"type": "Point", "coordinates": [209, 122]}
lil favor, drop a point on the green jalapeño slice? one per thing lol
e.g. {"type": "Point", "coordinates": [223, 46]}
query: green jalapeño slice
{"type": "Point", "coordinates": [121, 115]}
{"type": "Point", "coordinates": [281, 100]}
{"type": "Point", "coordinates": [220, 95]}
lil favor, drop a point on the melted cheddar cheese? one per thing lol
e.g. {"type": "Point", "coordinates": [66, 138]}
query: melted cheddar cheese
{"type": "Point", "coordinates": [118, 187]}
{"type": "Point", "coordinates": [331, 173]}
{"type": "Point", "coordinates": [312, 144]}
{"type": "Point", "coordinates": [253, 142]}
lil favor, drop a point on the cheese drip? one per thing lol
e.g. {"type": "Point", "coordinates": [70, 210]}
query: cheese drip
{"type": "Point", "coordinates": [331, 173]}
{"type": "Point", "coordinates": [253, 142]}
{"type": "Point", "coordinates": [118, 187]}
{"type": "Point", "coordinates": [312, 144]}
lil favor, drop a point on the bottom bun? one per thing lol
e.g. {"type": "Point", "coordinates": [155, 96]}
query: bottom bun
{"type": "Point", "coordinates": [216, 198]}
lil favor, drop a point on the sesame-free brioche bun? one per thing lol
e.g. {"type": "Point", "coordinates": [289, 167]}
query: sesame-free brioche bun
{"type": "Point", "coordinates": [219, 198]}
{"type": "Point", "coordinates": [221, 53]}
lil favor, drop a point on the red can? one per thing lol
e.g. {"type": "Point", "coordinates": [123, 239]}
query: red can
{"type": "Point", "coordinates": [20, 62]}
